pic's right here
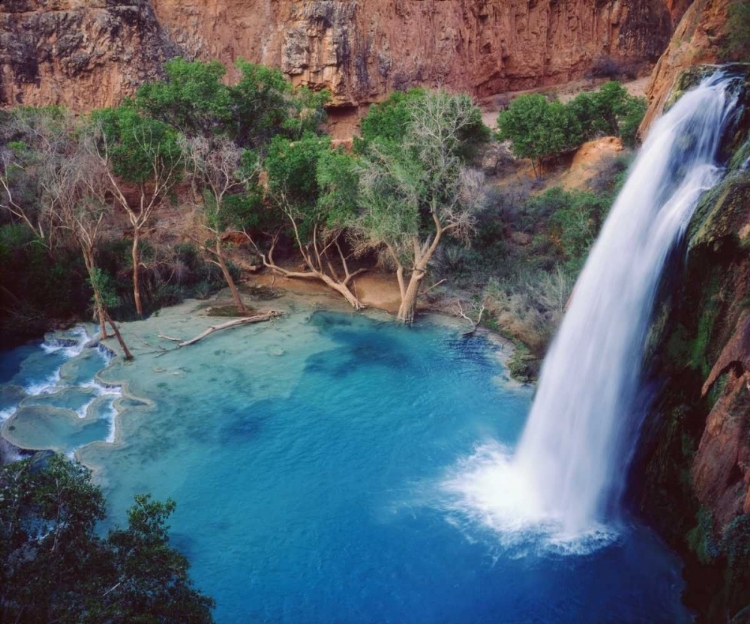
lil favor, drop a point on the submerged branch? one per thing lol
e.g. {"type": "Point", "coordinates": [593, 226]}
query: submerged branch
{"type": "Point", "coordinates": [258, 318]}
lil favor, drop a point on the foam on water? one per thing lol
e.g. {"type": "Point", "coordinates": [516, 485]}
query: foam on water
{"type": "Point", "coordinates": [71, 346]}
{"type": "Point", "coordinates": [63, 383]}
{"type": "Point", "coordinates": [48, 385]}
{"type": "Point", "coordinates": [518, 519]}
{"type": "Point", "coordinates": [6, 413]}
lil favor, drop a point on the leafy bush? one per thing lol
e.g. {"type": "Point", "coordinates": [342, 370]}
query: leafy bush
{"type": "Point", "coordinates": [539, 129]}
{"type": "Point", "coordinates": [389, 122]}
{"type": "Point", "coordinates": [54, 566]}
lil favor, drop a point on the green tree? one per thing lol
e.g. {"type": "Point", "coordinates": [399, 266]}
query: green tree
{"type": "Point", "coordinates": [192, 98]}
{"type": "Point", "coordinates": [265, 104]}
{"type": "Point", "coordinates": [314, 190]}
{"type": "Point", "coordinates": [416, 191]}
{"type": "Point", "coordinates": [610, 111]}
{"type": "Point", "coordinates": [539, 129]}
{"type": "Point", "coordinates": [389, 120]}
{"type": "Point", "coordinates": [142, 152]}
{"type": "Point", "coordinates": [55, 568]}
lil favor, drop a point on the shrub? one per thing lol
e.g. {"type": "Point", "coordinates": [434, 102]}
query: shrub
{"type": "Point", "coordinates": [539, 129]}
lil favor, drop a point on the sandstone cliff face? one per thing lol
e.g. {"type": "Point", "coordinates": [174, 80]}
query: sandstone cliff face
{"type": "Point", "coordinates": [695, 472]}
{"type": "Point", "coordinates": [695, 41]}
{"type": "Point", "coordinates": [362, 50]}
{"type": "Point", "coordinates": [90, 54]}
{"type": "Point", "coordinates": [81, 54]}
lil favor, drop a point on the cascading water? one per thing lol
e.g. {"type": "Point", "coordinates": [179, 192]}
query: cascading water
{"type": "Point", "coordinates": [571, 462]}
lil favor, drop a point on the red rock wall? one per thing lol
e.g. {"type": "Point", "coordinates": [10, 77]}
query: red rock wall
{"type": "Point", "coordinates": [695, 41]}
{"type": "Point", "coordinates": [53, 52]}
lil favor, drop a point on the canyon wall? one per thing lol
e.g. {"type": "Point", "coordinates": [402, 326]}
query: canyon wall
{"type": "Point", "coordinates": [693, 475]}
{"type": "Point", "coordinates": [91, 53]}
{"type": "Point", "coordinates": [84, 54]}
{"type": "Point", "coordinates": [697, 39]}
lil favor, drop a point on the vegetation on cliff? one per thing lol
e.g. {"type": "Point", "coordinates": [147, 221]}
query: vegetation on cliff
{"type": "Point", "coordinates": [542, 130]}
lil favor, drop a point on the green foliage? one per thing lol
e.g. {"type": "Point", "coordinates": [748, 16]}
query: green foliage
{"type": "Point", "coordinates": [138, 145]}
{"type": "Point", "coordinates": [579, 222]}
{"type": "Point", "coordinates": [338, 182]}
{"type": "Point", "coordinates": [735, 540]}
{"type": "Point", "coordinates": [35, 284]}
{"type": "Point", "coordinates": [101, 282]}
{"type": "Point", "coordinates": [54, 566]}
{"type": "Point", "coordinates": [407, 182]}
{"type": "Point", "coordinates": [610, 111]}
{"type": "Point", "coordinates": [701, 539]}
{"type": "Point", "coordinates": [192, 98]}
{"type": "Point", "coordinates": [737, 45]}
{"type": "Point", "coordinates": [631, 115]}
{"type": "Point", "coordinates": [523, 365]}
{"type": "Point", "coordinates": [389, 120]}
{"type": "Point", "coordinates": [292, 168]}
{"type": "Point", "coordinates": [539, 129]}
{"type": "Point", "coordinates": [699, 348]}
{"type": "Point", "coordinates": [260, 102]}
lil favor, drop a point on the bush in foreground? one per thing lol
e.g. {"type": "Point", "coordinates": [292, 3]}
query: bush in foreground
{"type": "Point", "coordinates": [55, 568]}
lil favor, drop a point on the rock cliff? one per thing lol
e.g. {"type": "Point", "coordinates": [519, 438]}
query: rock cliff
{"type": "Point", "coordinates": [697, 39]}
{"type": "Point", "coordinates": [694, 471]}
{"type": "Point", "coordinates": [86, 54]}
{"type": "Point", "coordinates": [81, 54]}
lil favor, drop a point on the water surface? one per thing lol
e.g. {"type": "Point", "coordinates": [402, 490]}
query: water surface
{"type": "Point", "coordinates": [314, 462]}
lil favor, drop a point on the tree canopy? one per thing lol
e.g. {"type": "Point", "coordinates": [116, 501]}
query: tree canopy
{"type": "Point", "coordinates": [416, 190]}
{"type": "Point", "coordinates": [540, 129]}
{"type": "Point", "coordinates": [54, 567]}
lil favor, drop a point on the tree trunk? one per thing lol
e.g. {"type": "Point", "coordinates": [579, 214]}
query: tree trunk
{"type": "Point", "coordinates": [408, 308]}
{"type": "Point", "coordinates": [99, 310]}
{"type": "Point", "coordinates": [342, 289]}
{"type": "Point", "coordinates": [126, 352]}
{"type": "Point", "coordinates": [136, 266]}
{"type": "Point", "coordinates": [88, 259]}
{"type": "Point", "coordinates": [228, 277]}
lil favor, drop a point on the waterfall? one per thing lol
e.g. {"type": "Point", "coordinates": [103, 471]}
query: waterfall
{"type": "Point", "coordinates": [580, 433]}
{"type": "Point", "coordinates": [566, 477]}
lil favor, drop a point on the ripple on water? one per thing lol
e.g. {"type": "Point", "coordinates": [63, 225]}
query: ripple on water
{"type": "Point", "coordinates": [327, 483]}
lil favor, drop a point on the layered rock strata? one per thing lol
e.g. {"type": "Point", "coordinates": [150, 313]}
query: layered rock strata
{"type": "Point", "coordinates": [89, 53]}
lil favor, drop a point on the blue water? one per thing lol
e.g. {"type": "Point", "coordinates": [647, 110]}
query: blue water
{"type": "Point", "coordinates": [309, 459]}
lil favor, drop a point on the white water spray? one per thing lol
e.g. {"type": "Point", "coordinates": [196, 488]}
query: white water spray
{"type": "Point", "coordinates": [570, 465]}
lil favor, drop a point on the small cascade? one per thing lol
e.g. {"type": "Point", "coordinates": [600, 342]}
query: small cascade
{"type": "Point", "coordinates": [62, 375]}
{"type": "Point", "coordinates": [569, 468]}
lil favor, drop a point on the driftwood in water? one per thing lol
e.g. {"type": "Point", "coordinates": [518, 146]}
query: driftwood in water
{"type": "Point", "coordinates": [258, 318]}
{"type": "Point", "coordinates": [461, 313]}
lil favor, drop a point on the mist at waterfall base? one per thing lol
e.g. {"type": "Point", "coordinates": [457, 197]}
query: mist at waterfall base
{"type": "Point", "coordinates": [311, 460]}
{"type": "Point", "coordinates": [565, 480]}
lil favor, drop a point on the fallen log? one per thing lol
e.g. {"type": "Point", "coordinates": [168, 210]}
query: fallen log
{"type": "Point", "coordinates": [258, 318]}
